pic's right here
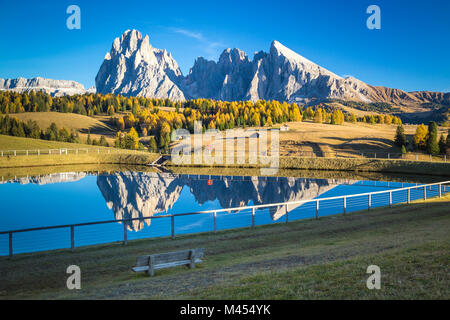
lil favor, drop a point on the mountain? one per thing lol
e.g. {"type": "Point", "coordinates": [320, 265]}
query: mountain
{"type": "Point", "coordinates": [55, 88]}
{"type": "Point", "coordinates": [49, 179]}
{"type": "Point", "coordinates": [133, 67]}
{"type": "Point", "coordinates": [227, 80]}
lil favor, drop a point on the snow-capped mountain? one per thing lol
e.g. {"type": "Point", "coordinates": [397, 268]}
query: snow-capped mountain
{"type": "Point", "coordinates": [55, 88]}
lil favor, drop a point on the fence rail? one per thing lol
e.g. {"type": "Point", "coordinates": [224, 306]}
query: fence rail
{"type": "Point", "coordinates": [369, 155]}
{"type": "Point", "coordinates": [293, 210]}
{"type": "Point", "coordinates": [310, 154]}
{"type": "Point", "coordinates": [66, 151]}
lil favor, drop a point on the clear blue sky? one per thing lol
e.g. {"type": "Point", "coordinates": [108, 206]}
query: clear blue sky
{"type": "Point", "coordinates": [410, 52]}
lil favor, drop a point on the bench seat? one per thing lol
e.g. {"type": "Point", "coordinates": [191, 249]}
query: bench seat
{"type": "Point", "coordinates": [153, 262]}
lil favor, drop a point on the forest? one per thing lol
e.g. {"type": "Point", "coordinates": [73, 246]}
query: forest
{"type": "Point", "coordinates": [136, 117]}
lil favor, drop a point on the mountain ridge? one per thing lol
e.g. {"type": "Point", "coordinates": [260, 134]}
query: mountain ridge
{"type": "Point", "coordinates": [280, 74]}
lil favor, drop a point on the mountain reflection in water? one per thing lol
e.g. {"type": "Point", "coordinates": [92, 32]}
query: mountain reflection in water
{"type": "Point", "coordinates": [141, 195]}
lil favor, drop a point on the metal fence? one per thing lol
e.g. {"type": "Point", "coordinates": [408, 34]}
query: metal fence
{"type": "Point", "coordinates": [77, 235]}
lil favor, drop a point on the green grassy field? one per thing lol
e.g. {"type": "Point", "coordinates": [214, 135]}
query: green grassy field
{"type": "Point", "coordinates": [18, 143]}
{"type": "Point", "coordinates": [94, 155]}
{"type": "Point", "coordinates": [309, 259]}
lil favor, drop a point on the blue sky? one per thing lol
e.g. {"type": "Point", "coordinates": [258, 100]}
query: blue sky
{"type": "Point", "coordinates": [410, 52]}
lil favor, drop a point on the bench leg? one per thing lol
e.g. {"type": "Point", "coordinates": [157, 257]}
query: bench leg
{"type": "Point", "coordinates": [192, 257]}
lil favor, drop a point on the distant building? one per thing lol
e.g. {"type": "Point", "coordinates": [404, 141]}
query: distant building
{"type": "Point", "coordinates": [284, 127]}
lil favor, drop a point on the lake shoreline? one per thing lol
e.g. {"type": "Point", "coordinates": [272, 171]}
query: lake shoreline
{"type": "Point", "coordinates": [290, 163]}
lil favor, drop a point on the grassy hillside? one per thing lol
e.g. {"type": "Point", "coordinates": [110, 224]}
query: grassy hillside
{"type": "Point", "coordinates": [348, 138]}
{"type": "Point", "coordinates": [318, 259]}
{"type": "Point", "coordinates": [18, 143]}
{"type": "Point", "coordinates": [97, 125]}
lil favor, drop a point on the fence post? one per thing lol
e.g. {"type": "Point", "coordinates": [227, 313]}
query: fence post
{"type": "Point", "coordinates": [417, 156]}
{"type": "Point", "coordinates": [389, 155]}
{"type": "Point", "coordinates": [375, 155]}
{"type": "Point", "coordinates": [72, 238]}
{"type": "Point", "coordinates": [440, 190]}
{"type": "Point", "coordinates": [27, 152]}
{"type": "Point", "coordinates": [39, 152]}
{"type": "Point", "coordinates": [172, 226]}
{"type": "Point", "coordinates": [10, 245]}
{"type": "Point", "coordinates": [287, 213]}
{"type": "Point", "coordinates": [253, 217]}
{"type": "Point", "coordinates": [125, 235]}
{"type": "Point", "coordinates": [317, 209]}
{"type": "Point", "coordinates": [215, 223]}
{"type": "Point", "coordinates": [345, 204]}
{"type": "Point", "coordinates": [370, 202]}
{"type": "Point", "coordinates": [431, 158]}
{"type": "Point", "coordinates": [15, 153]}
{"type": "Point", "coordinates": [424, 193]}
{"type": "Point", "coordinates": [390, 199]}
{"type": "Point", "coordinates": [409, 195]}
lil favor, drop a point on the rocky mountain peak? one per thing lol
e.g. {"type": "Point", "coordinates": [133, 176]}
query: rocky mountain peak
{"type": "Point", "coordinates": [134, 67]}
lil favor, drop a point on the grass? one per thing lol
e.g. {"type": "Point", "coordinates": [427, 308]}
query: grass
{"type": "Point", "coordinates": [319, 259]}
{"type": "Point", "coordinates": [98, 125]}
{"type": "Point", "coordinates": [345, 164]}
{"type": "Point", "coordinates": [331, 164]}
{"type": "Point", "coordinates": [18, 143]}
{"type": "Point", "coordinates": [348, 139]}
{"type": "Point", "coordinates": [95, 154]}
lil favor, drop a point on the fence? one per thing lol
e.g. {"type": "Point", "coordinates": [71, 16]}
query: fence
{"type": "Point", "coordinates": [66, 151]}
{"type": "Point", "coordinates": [301, 153]}
{"type": "Point", "coordinates": [369, 155]}
{"type": "Point", "coordinates": [212, 220]}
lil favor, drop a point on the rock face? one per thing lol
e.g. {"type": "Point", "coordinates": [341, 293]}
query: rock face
{"type": "Point", "coordinates": [284, 75]}
{"type": "Point", "coordinates": [228, 79]}
{"type": "Point", "coordinates": [133, 67]}
{"type": "Point", "coordinates": [55, 88]}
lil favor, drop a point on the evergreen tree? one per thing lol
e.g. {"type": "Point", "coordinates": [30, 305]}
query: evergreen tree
{"type": "Point", "coordinates": [432, 141]}
{"type": "Point", "coordinates": [400, 138]}
{"type": "Point", "coordinates": [442, 145]}
{"type": "Point", "coordinates": [152, 145]}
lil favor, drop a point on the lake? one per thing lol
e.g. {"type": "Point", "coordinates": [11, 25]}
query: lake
{"type": "Point", "coordinates": [80, 197]}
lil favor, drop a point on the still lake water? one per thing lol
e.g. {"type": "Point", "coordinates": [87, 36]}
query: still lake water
{"type": "Point", "coordinates": [78, 197]}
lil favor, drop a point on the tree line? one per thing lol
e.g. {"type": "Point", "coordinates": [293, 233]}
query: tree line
{"type": "Point", "coordinates": [11, 126]}
{"type": "Point", "coordinates": [149, 116]}
{"type": "Point", "coordinates": [425, 139]}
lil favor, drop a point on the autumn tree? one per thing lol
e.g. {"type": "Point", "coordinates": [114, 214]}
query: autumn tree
{"type": "Point", "coordinates": [420, 137]}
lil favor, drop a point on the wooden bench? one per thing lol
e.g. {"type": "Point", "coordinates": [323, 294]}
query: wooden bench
{"type": "Point", "coordinates": [153, 262]}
